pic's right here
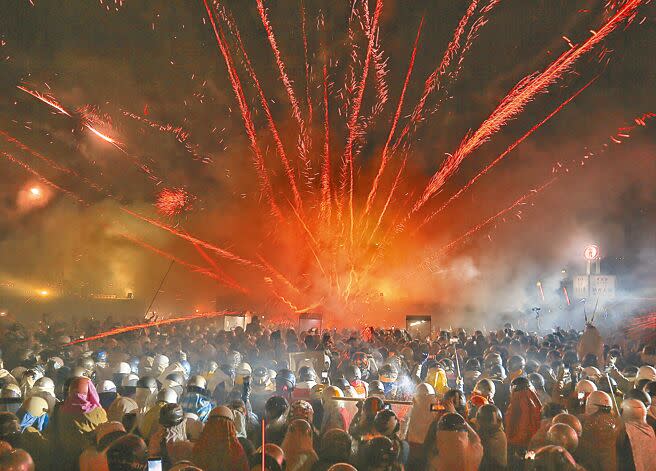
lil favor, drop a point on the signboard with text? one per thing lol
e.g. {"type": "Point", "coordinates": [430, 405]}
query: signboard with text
{"type": "Point", "coordinates": [594, 287]}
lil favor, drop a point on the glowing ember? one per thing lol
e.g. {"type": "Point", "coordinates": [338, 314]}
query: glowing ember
{"type": "Point", "coordinates": [172, 201]}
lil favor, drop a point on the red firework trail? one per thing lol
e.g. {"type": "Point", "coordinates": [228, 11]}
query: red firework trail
{"type": "Point", "coordinates": [352, 124]}
{"type": "Point", "coordinates": [36, 154]}
{"type": "Point", "coordinates": [86, 123]}
{"type": "Point", "coordinates": [53, 103]}
{"type": "Point", "coordinates": [389, 198]}
{"type": "Point", "coordinates": [481, 225]}
{"type": "Point", "coordinates": [384, 157]}
{"type": "Point", "coordinates": [272, 270]}
{"type": "Point", "coordinates": [180, 134]}
{"type": "Point", "coordinates": [325, 169]}
{"type": "Point", "coordinates": [41, 177]}
{"type": "Point", "coordinates": [296, 111]}
{"type": "Point", "coordinates": [312, 242]}
{"type": "Point", "coordinates": [515, 102]}
{"type": "Point", "coordinates": [206, 245]}
{"type": "Point", "coordinates": [46, 99]}
{"type": "Point", "coordinates": [271, 122]}
{"type": "Point", "coordinates": [433, 81]}
{"type": "Point", "coordinates": [50, 162]}
{"type": "Point", "coordinates": [307, 64]}
{"type": "Point", "coordinates": [504, 154]}
{"type": "Point", "coordinates": [194, 268]}
{"type": "Point", "coordinates": [260, 168]}
{"type": "Point", "coordinates": [226, 278]}
{"type": "Point", "coordinates": [132, 328]}
{"type": "Point", "coordinates": [566, 295]}
{"type": "Point", "coordinates": [287, 83]}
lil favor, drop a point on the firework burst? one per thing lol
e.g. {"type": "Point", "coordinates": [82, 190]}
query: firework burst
{"type": "Point", "coordinates": [329, 221]}
{"type": "Point", "coordinates": [172, 201]}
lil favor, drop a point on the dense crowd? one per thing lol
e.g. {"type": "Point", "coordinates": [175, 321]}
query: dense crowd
{"type": "Point", "coordinates": [192, 396]}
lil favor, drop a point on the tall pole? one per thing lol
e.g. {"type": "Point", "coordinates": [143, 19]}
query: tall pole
{"type": "Point", "coordinates": [161, 283]}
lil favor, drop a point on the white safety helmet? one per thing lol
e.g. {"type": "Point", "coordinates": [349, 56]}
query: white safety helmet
{"type": "Point", "coordinates": [644, 372]}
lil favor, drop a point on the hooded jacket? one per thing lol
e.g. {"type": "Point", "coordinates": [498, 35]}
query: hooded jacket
{"type": "Point", "coordinates": [522, 417]}
{"type": "Point", "coordinates": [456, 451]}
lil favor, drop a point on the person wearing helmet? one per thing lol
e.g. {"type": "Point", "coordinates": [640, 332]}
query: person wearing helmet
{"type": "Point", "coordinates": [285, 383]}
{"type": "Point", "coordinates": [45, 388]}
{"type": "Point", "coordinates": [89, 367]}
{"type": "Point", "coordinates": [538, 385]}
{"type": "Point", "coordinates": [275, 417]}
{"type": "Point", "coordinates": [420, 416]}
{"type": "Point", "coordinates": [353, 375]}
{"type": "Point", "coordinates": [650, 389]}
{"type": "Point", "coordinates": [388, 375]}
{"type": "Point", "coordinates": [307, 379]}
{"type": "Point", "coordinates": [591, 342]}
{"type": "Point", "coordinates": [243, 373]}
{"type": "Point", "coordinates": [363, 362]}
{"type": "Point", "coordinates": [335, 447]}
{"type": "Point", "coordinates": [33, 413]}
{"type": "Point", "coordinates": [362, 425]}
{"type": "Point", "coordinates": [195, 399]}
{"type": "Point", "coordinates": [387, 424]}
{"type": "Point", "coordinates": [160, 363]}
{"type": "Point", "coordinates": [579, 396]}
{"type": "Point", "coordinates": [151, 419]}
{"type": "Point", "coordinates": [636, 442]}
{"type": "Point", "coordinates": [120, 371]}
{"type": "Point", "coordinates": [376, 388]}
{"type": "Point", "coordinates": [522, 419]}
{"type": "Point", "coordinates": [170, 430]}
{"type": "Point", "coordinates": [452, 444]}
{"type": "Point", "coordinates": [127, 452]}
{"type": "Point", "coordinates": [437, 377]}
{"type": "Point", "coordinates": [107, 393]}
{"type": "Point", "coordinates": [74, 421]}
{"type": "Point", "coordinates": [378, 454]}
{"type": "Point", "coordinates": [335, 414]}
{"type": "Point", "coordinates": [482, 394]}
{"type": "Point", "coordinates": [489, 426]}
{"type": "Point", "coordinates": [145, 395]}
{"type": "Point", "coordinates": [221, 383]}
{"type": "Point", "coordinates": [298, 446]}
{"type": "Point", "coordinates": [516, 366]}
{"type": "Point", "coordinates": [261, 389]}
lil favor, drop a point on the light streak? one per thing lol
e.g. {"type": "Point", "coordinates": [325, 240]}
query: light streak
{"type": "Point", "coordinates": [206, 245]}
{"type": "Point", "coordinates": [45, 99]}
{"type": "Point", "coordinates": [384, 157]}
{"type": "Point", "coordinates": [566, 295]}
{"type": "Point", "coordinates": [515, 102]}
{"type": "Point", "coordinates": [41, 178]}
{"type": "Point", "coordinates": [258, 159]}
{"type": "Point", "coordinates": [271, 122]}
{"type": "Point", "coordinates": [325, 168]}
{"type": "Point", "coordinates": [504, 154]}
{"type": "Point", "coordinates": [521, 200]}
{"type": "Point", "coordinates": [132, 328]}
{"type": "Point", "coordinates": [352, 124]}
{"type": "Point", "coordinates": [194, 268]}
{"type": "Point", "coordinates": [433, 81]}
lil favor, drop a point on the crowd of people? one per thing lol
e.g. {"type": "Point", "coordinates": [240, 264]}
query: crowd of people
{"type": "Point", "coordinates": [193, 396]}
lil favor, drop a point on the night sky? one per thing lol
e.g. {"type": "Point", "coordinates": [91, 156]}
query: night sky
{"type": "Point", "coordinates": [120, 64]}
